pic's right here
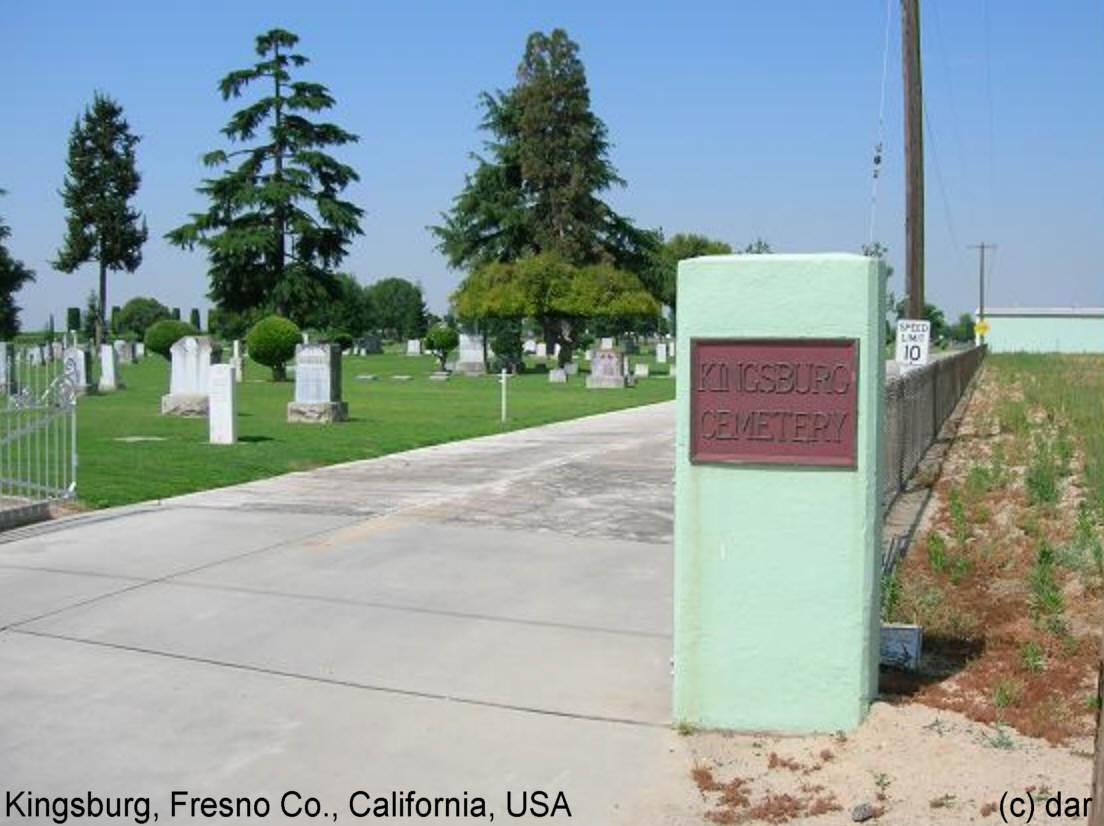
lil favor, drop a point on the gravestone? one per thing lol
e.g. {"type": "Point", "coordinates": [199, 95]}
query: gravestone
{"type": "Point", "coordinates": [317, 385]}
{"type": "Point", "coordinates": [557, 375]}
{"type": "Point", "coordinates": [778, 517]}
{"type": "Point", "coordinates": [640, 371]}
{"type": "Point", "coordinates": [414, 347]}
{"type": "Point", "coordinates": [123, 351]}
{"type": "Point", "coordinates": [222, 406]}
{"type": "Point", "coordinates": [189, 378]}
{"type": "Point", "coordinates": [139, 350]}
{"type": "Point", "coordinates": [370, 346]}
{"type": "Point", "coordinates": [661, 353]}
{"type": "Point", "coordinates": [109, 369]}
{"type": "Point", "coordinates": [236, 361]}
{"type": "Point", "coordinates": [571, 368]}
{"type": "Point", "coordinates": [7, 367]}
{"type": "Point", "coordinates": [34, 356]}
{"type": "Point", "coordinates": [76, 364]}
{"type": "Point", "coordinates": [529, 346]}
{"type": "Point", "coordinates": [470, 361]}
{"type": "Point", "coordinates": [605, 344]}
{"type": "Point", "coordinates": [57, 350]}
{"type": "Point", "coordinates": [606, 371]}
{"type": "Point", "coordinates": [542, 350]}
{"type": "Point", "coordinates": [588, 355]}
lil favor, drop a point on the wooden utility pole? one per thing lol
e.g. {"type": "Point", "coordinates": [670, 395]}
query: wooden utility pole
{"type": "Point", "coordinates": [914, 157]}
{"type": "Point", "coordinates": [981, 248]}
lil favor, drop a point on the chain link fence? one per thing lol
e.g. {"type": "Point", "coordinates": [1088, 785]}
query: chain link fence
{"type": "Point", "coordinates": [918, 402]}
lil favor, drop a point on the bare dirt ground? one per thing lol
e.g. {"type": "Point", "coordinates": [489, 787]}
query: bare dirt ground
{"type": "Point", "coordinates": [1005, 576]}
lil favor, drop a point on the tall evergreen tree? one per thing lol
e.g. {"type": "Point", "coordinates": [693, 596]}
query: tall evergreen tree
{"type": "Point", "coordinates": [538, 191]}
{"type": "Point", "coordinates": [13, 275]}
{"type": "Point", "coordinates": [276, 228]}
{"type": "Point", "coordinates": [101, 225]}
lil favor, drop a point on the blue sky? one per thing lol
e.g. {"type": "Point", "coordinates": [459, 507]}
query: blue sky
{"type": "Point", "coordinates": [734, 119]}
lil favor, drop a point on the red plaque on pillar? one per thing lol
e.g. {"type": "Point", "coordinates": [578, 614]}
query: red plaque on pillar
{"type": "Point", "coordinates": [774, 401]}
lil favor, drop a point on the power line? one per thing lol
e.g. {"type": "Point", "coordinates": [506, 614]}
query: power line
{"type": "Point", "coordinates": [939, 179]}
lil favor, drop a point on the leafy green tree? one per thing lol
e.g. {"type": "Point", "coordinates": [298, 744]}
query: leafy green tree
{"type": "Point", "coordinates": [758, 247]}
{"type": "Point", "coordinates": [352, 310]}
{"type": "Point", "coordinates": [140, 313]}
{"type": "Point", "coordinates": [661, 277]}
{"type": "Point", "coordinates": [13, 275]}
{"type": "Point", "coordinates": [399, 307]}
{"type": "Point", "coordinates": [277, 226]}
{"type": "Point", "coordinates": [538, 190]}
{"type": "Point", "coordinates": [91, 315]}
{"type": "Point", "coordinates": [101, 179]}
{"type": "Point", "coordinates": [559, 295]}
{"type": "Point", "coordinates": [963, 329]}
{"type": "Point", "coordinates": [441, 340]}
{"type": "Point", "coordinates": [939, 328]}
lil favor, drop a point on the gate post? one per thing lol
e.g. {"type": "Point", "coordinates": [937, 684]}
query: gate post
{"type": "Point", "coordinates": [778, 486]}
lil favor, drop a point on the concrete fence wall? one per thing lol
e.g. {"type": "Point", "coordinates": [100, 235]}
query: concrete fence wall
{"type": "Point", "coordinates": [917, 404]}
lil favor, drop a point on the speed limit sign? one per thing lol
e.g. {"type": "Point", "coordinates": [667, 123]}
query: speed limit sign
{"type": "Point", "coordinates": [912, 342]}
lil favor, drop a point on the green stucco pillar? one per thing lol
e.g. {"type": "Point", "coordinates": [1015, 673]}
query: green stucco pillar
{"type": "Point", "coordinates": [778, 512]}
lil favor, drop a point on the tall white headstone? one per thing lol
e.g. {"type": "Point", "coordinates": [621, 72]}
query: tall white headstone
{"type": "Point", "coordinates": [414, 347]}
{"type": "Point", "coordinates": [236, 361]}
{"type": "Point", "coordinates": [661, 353]}
{"type": "Point", "coordinates": [109, 369]}
{"type": "Point", "coordinates": [542, 350]}
{"type": "Point", "coordinates": [77, 367]}
{"type": "Point", "coordinates": [190, 378]}
{"type": "Point", "coordinates": [317, 385]}
{"type": "Point", "coordinates": [7, 367]}
{"type": "Point", "coordinates": [222, 393]}
{"type": "Point", "coordinates": [139, 350]}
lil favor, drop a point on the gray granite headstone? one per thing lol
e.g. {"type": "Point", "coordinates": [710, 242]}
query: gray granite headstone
{"type": "Point", "coordinates": [606, 371]}
{"type": "Point", "coordinates": [470, 362]}
{"type": "Point", "coordinates": [317, 385]}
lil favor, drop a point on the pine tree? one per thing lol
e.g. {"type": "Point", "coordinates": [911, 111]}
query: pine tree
{"type": "Point", "coordinates": [13, 275]}
{"type": "Point", "coordinates": [101, 179]}
{"type": "Point", "coordinates": [538, 191]}
{"type": "Point", "coordinates": [276, 228]}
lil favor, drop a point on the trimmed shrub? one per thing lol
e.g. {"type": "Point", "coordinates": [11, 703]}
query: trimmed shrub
{"type": "Point", "coordinates": [176, 313]}
{"type": "Point", "coordinates": [342, 340]}
{"type": "Point", "coordinates": [162, 335]}
{"type": "Point", "coordinates": [272, 342]}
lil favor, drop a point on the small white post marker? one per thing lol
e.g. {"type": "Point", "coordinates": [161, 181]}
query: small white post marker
{"type": "Point", "coordinates": [502, 381]}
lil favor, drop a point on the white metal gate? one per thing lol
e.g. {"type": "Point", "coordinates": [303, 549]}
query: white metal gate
{"type": "Point", "coordinates": [38, 425]}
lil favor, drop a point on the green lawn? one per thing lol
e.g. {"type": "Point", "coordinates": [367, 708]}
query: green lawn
{"type": "Point", "coordinates": [385, 416]}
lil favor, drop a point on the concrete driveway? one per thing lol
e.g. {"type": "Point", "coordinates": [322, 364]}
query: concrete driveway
{"type": "Point", "coordinates": [469, 620]}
